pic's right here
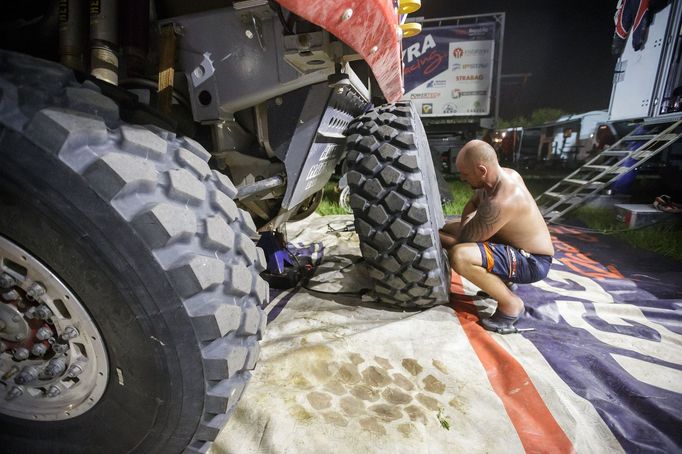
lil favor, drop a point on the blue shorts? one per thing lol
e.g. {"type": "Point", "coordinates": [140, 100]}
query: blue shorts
{"type": "Point", "coordinates": [514, 265]}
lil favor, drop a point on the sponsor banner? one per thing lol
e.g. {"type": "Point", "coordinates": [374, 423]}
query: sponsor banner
{"type": "Point", "coordinates": [449, 70]}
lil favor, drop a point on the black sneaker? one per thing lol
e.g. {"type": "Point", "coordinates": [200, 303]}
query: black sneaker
{"type": "Point", "coordinates": [500, 323]}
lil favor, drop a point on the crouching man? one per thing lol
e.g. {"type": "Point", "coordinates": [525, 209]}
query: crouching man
{"type": "Point", "coordinates": [501, 238]}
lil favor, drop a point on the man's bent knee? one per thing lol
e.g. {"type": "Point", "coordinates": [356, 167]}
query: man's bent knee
{"type": "Point", "coordinates": [464, 255]}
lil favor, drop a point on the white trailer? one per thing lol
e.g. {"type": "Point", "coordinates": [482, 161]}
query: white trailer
{"type": "Point", "coordinates": [648, 82]}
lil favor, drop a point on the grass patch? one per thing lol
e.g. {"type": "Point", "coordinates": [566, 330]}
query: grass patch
{"type": "Point", "coordinates": [329, 207]}
{"type": "Point", "coordinates": [664, 238]}
{"type": "Point", "coordinates": [461, 193]}
{"type": "Point", "coordinates": [330, 200]}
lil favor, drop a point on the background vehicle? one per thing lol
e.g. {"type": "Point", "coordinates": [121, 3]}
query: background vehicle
{"type": "Point", "coordinates": [136, 177]}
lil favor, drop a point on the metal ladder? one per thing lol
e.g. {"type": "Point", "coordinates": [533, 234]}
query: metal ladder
{"type": "Point", "coordinates": [633, 150]}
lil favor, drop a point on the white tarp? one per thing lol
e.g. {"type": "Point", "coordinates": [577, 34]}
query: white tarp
{"type": "Point", "coordinates": [339, 373]}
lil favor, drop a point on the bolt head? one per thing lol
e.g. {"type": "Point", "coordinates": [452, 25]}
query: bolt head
{"type": "Point", "coordinates": [74, 371]}
{"type": "Point", "coordinates": [249, 34]}
{"type": "Point", "coordinates": [44, 333]}
{"type": "Point", "coordinates": [53, 391]}
{"type": "Point", "coordinates": [12, 295]}
{"type": "Point", "coordinates": [374, 50]}
{"type": "Point", "coordinates": [20, 336]}
{"type": "Point", "coordinates": [347, 14]}
{"type": "Point", "coordinates": [43, 312]}
{"type": "Point", "coordinates": [20, 353]}
{"type": "Point", "coordinates": [14, 393]}
{"type": "Point", "coordinates": [39, 349]}
{"type": "Point", "coordinates": [6, 280]}
{"type": "Point", "coordinates": [69, 333]}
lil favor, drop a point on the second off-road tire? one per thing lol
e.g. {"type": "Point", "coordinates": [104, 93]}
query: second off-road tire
{"type": "Point", "coordinates": [397, 207]}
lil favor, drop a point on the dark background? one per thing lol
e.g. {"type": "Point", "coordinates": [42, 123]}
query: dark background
{"type": "Point", "coordinates": [565, 46]}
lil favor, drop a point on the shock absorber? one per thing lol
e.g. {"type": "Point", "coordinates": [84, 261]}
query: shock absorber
{"type": "Point", "coordinates": [73, 33]}
{"type": "Point", "coordinates": [104, 40]}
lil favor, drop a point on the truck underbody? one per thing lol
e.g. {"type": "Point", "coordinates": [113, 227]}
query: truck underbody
{"type": "Point", "coordinates": [137, 175]}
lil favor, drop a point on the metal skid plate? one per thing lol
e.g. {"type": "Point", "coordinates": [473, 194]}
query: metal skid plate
{"type": "Point", "coordinates": [318, 140]}
{"type": "Point", "coordinates": [233, 59]}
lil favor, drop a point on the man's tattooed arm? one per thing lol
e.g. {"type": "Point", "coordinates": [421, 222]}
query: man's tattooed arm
{"type": "Point", "coordinates": [487, 221]}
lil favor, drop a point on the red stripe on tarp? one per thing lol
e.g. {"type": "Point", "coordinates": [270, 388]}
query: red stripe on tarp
{"type": "Point", "coordinates": [535, 425]}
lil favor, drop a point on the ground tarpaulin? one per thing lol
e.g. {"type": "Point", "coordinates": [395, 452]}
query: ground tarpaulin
{"type": "Point", "coordinates": [601, 372]}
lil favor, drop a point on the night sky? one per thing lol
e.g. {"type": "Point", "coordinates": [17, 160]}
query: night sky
{"type": "Point", "coordinates": [564, 44]}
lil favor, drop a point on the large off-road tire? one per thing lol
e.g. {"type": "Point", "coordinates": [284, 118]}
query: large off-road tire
{"type": "Point", "coordinates": [137, 244]}
{"type": "Point", "coordinates": [397, 208]}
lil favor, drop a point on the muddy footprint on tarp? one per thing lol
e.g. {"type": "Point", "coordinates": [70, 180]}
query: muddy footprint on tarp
{"type": "Point", "coordinates": [373, 393]}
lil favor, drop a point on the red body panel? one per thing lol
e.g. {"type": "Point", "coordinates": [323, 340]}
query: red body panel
{"type": "Point", "coordinates": [372, 23]}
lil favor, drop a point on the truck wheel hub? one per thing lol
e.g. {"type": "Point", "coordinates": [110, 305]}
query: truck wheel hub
{"type": "Point", "coordinates": [53, 363]}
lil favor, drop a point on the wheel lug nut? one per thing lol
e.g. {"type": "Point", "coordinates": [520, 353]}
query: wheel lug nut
{"type": "Point", "coordinates": [43, 312]}
{"type": "Point", "coordinates": [12, 295]}
{"type": "Point", "coordinates": [55, 367]}
{"type": "Point", "coordinates": [30, 313]}
{"type": "Point", "coordinates": [21, 353]}
{"type": "Point", "coordinates": [44, 333]}
{"type": "Point", "coordinates": [6, 280]}
{"type": "Point", "coordinates": [69, 333]}
{"type": "Point", "coordinates": [14, 393]}
{"type": "Point", "coordinates": [27, 375]}
{"type": "Point", "coordinates": [35, 291]}
{"type": "Point", "coordinates": [19, 337]}
{"type": "Point", "coordinates": [53, 391]}
{"type": "Point", "coordinates": [39, 349]}
{"type": "Point", "coordinates": [74, 371]}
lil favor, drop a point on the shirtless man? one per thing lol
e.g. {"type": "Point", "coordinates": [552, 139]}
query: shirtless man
{"type": "Point", "coordinates": [502, 236]}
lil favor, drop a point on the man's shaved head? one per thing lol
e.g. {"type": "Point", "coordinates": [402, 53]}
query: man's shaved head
{"type": "Point", "coordinates": [477, 152]}
{"type": "Point", "coordinates": [477, 163]}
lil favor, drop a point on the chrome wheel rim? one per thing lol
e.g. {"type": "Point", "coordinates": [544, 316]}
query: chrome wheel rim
{"type": "Point", "coordinates": [53, 362]}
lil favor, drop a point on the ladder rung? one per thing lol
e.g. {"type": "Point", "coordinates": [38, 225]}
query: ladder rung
{"type": "Point", "coordinates": [640, 137]}
{"type": "Point", "coordinates": [595, 167]}
{"type": "Point", "coordinates": [555, 195]}
{"type": "Point", "coordinates": [614, 153]}
{"type": "Point", "coordinates": [576, 182]}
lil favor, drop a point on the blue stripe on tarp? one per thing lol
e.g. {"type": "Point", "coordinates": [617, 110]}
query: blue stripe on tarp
{"type": "Point", "coordinates": [642, 417]}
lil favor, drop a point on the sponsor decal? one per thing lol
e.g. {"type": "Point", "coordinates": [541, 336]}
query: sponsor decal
{"type": "Point", "coordinates": [436, 84]}
{"type": "Point", "coordinates": [424, 95]}
{"type": "Point", "coordinates": [427, 108]}
{"type": "Point", "coordinates": [418, 49]}
{"type": "Point", "coordinates": [466, 77]}
{"type": "Point", "coordinates": [458, 66]}
{"type": "Point", "coordinates": [474, 65]}
{"type": "Point", "coordinates": [449, 109]}
{"type": "Point", "coordinates": [457, 93]}
{"type": "Point", "coordinates": [458, 52]}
